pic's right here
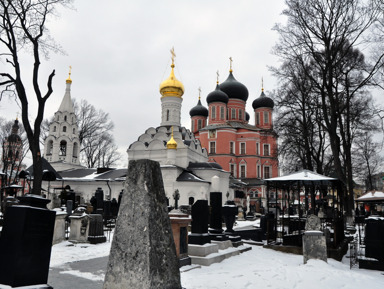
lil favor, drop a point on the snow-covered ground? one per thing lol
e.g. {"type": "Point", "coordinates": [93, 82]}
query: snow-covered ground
{"type": "Point", "coordinates": [257, 268]}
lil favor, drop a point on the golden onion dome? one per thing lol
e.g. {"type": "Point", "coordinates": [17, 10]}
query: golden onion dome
{"type": "Point", "coordinates": [172, 144]}
{"type": "Point", "coordinates": [172, 86]}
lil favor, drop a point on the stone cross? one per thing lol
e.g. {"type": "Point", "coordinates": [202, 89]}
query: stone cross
{"type": "Point", "coordinates": [176, 197]}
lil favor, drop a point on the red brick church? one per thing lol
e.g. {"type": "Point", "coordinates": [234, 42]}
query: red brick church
{"type": "Point", "coordinates": [248, 151]}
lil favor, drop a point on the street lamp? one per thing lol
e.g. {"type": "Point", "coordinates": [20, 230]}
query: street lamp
{"type": "Point", "coordinates": [24, 175]}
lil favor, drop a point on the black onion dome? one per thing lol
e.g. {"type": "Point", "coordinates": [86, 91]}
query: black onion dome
{"type": "Point", "coordinates": [198, 110]}
{"type": "Point", "coordinates": [263, 101]}
{"type": "Point", "coordinates": [234, 89]}
{"type": "Point", "coordinates": [14, 138]}
{"type": "Point", "coordinates": [217, 96]}
{"type": "Point", "coordinates": [247, 117]}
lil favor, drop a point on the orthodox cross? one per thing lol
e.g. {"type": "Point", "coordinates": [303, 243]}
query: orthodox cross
{"type": "Point", "coordinates": [217, 74]}
{"type": "Point", "coordinates": [70, 68]}
{"type": "Point", "coordinates": [230, 63]}
{"type": "Point", "coordinates": [199, 92]}
{"type": "Point", "coordinates": [176, 197]}
{"type": "Point", "coordinates": [262, 84]}
{"type": "Point", "coordinates": [173, 55]}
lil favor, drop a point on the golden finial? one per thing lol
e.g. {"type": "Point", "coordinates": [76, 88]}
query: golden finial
{"type": "Point", "coordinates": [199, 92]}
{"type": "Point", "coordinates": [230, 64]}
{"type": "Point", "coordinates": [172, 144]}
{"type": "Point", "coordinates": [173, 56]}
{"type": "Point", "coordinates": [262, 84]}
{"type": "Point", "coordinates": [217, 77]}
{"type": "Point", "coordinates": [69, 80]}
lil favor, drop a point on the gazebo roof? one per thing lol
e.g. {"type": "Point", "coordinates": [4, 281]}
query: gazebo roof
{"type": "Point", "coordinates": [373, 196]}
{"type": "Point", "coordinates": [304, 176]}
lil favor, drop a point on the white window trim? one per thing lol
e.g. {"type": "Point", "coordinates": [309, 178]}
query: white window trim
{"type": "Point", "coordinates": [266, 114]}
{"type": "Point", "coordinates": [258, 171]}
{"type": "Point", "coordinates": [232, 151]}
{"type": "Point", "coordinates": [210, 147]}
{"type": "Point", "coordinates": [245, 148]}
{"type": "Point", "coordinates": [245, 170]}
{"type": "Point", "coordinates": [269, 150]}
{"type": "Point", "coordinates": [270, 172]}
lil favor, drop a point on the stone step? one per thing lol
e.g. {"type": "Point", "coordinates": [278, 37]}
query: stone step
{"type": "Point", "coordinates": [218, 256]}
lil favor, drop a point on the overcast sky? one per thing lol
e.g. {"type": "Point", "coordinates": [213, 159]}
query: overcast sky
{"type": "Point", "coordinates": [120, 53]}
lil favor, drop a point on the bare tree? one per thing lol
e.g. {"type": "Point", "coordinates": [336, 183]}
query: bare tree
{"type": "Point", "coordinates": [326, 34]}
{"type": "Point", "coordinates": [100, 151]}
{"type": "Point", "coordinates": [98, 147]}
{"type": "Point", "coordinates": [23, 28]}
{"type": "Point", "coordinates": [299, 121]}
{"type": "Point", "coordinates": [367, 158]}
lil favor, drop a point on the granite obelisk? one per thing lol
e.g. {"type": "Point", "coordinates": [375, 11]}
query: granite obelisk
{"type": "Point", "coordinates": [143, 253]}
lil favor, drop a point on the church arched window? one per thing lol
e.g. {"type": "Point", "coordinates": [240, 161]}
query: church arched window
{"type": "Point", "coordinates": [63, 148]}
{"type": "Point", "coordinates": [74, 131]}
{"type": "Point", "coordinates": [50, 147]}
{"type": "Point", "coordinates": [54, 129]}
{"type": "Point", "coordinates": [75, 149]}
{"type": "Point", "coordinates": [64, 129]}
{"type": "Point", "coordinates": [65, 118]}
{"type": "Point", "coordinates": [167, 114]}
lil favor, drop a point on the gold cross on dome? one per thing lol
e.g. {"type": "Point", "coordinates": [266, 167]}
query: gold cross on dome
{"type": "Point", "coordinates": [173, 55]}
{"type": "Point", "coordinates": [262, 84]}
{"type": "Point", "coordinates": [230, 63]}
{"type": "Point", "coordinates": [70, 69]}
{"type": "Point", "coordinates": [199, 92]}
{"type": "Point", "coordinates": [217, 74]}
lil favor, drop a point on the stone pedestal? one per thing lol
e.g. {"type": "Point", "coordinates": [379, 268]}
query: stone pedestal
{"type": "Point", "coordinates": [79, 228]}
{"type": "Point", "coordinates": [26, 242]}
{"type": "Point", "coordinates": [143, 253]}
{"type": "Point", "coordinates": [180, 223]}
{"type": "Point", "coordinates": [59, 231]}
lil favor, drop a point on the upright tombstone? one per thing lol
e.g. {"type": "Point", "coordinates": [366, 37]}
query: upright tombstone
{"type": "Point", "coordinates": [143, 234]}
{"type": "Point", "coordinates": [199, 226]}
{"type": "Point", "coordinates": [99, 195]}
{"type": "Point", "coordinates": [314, 242]}
{"type": "Point", "coordinates": [96, 229]}
{"type": "Point", "coordinates": [26, 242]}
{"type": "Point", "coordinates": [216, 223]}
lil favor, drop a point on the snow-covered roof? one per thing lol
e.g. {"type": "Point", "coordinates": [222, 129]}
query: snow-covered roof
{"type": "Point", "coordinates": [304, 175]}
{"type": "Point", "coordinates": [371, 196]}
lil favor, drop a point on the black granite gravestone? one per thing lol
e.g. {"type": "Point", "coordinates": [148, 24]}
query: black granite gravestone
{"type": "Point", "coordinates": [107, 211]}
{"type": "Point", "coordinates": [114, 208]}
{"type": "Point", "coordinates": [229, 212]}
{"type": "Point", "coordinates": [216, 222]}
{"type": "Point", "coordinates": [26, 243]}
{"type": "Point", "coordinates": [199, 225]}
{"type": "Point", "coordinates": [99, 195]}
{"type": "Point", "coordinates": [374, 239]}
